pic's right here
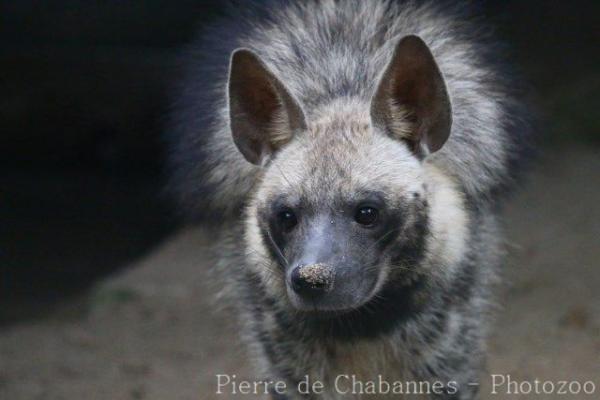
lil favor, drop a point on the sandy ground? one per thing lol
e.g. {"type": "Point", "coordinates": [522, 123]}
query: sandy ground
{"type": "Point", "coordinates": [151, 333]}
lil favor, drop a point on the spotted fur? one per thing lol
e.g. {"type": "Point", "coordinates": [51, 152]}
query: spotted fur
{"type": "Point", "coordinates": [440, 260]}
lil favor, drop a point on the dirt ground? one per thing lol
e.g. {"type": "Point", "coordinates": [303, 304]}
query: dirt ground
{"type": "Point", "coordinates": [151, 333]}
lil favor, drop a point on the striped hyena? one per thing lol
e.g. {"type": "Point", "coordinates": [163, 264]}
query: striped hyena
{"type": "Point", "coordinates": [356, 154]}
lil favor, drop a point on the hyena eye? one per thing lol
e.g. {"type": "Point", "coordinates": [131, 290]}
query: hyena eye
{"type": "Point", "coordinates": [287, 219]}
{"type": "Point", "coordinates": [366, 215]}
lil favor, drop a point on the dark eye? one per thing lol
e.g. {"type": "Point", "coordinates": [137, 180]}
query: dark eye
{"type": "Point", "coordinates": [287, 219]}
{"type": "Point", "coordinates": [366, 215]}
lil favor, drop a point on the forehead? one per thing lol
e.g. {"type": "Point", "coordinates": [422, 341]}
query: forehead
{"type": "Point", "coordinates": [344, 161]}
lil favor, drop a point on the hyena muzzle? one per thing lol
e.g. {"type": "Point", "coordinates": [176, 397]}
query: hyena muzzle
{"type": "Point", "coordinates": [356, 154]}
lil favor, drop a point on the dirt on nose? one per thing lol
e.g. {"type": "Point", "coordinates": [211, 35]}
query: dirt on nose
{"type": "Point", "coordinates": [317, 275]}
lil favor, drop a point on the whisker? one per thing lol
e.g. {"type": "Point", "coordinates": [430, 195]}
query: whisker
{"type": "Point", "coordinates": [279, 252]}
{"type": "Point", "coordinates": [283, 175]}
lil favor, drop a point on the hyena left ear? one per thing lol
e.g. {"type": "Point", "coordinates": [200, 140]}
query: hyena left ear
{"type": "Point", "coordinates": [263, 114]}
{"type": "Point", "coordinates": [411, 102]}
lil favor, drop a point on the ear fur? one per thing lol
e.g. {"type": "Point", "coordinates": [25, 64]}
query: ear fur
{"type": "Point", "coordinates": [264, 116]}
{"type": "Point", "coordinates": [411, 102]}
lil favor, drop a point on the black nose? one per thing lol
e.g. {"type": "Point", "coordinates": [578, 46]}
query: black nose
{"type": "Point", "coordinates": [312, 279]}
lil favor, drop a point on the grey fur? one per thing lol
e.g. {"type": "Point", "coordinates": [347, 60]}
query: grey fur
{"type": "Point", "coordinates": [330, 56]}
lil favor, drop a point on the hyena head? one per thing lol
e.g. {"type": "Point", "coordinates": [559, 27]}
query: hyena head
{"type": "Point", "coordinates": [341, 216]}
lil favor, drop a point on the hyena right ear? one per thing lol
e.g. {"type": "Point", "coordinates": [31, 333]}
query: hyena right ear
{"type": "Point", "coordinates": [411, 102]}
{"type": "Point", "coordinates": [264, 116]}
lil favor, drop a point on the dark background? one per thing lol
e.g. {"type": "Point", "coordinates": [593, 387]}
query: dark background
{"type": "Point", "coordinates": [82, 100]}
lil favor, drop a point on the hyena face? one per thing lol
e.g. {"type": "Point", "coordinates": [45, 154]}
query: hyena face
{"type": "Point", "coordinates": [340, 217]}
{"type": "Point", "coordinates": [331, 211]}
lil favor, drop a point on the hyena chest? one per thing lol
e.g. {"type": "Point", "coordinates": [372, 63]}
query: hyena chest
{"type": "Point", "coordinates": [362, 369]}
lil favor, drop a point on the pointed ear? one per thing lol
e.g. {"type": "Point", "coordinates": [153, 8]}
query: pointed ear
{"type": "Point", "coordinates": [411, 102]}
{"type": "Point", "coordinates": [263, 114]}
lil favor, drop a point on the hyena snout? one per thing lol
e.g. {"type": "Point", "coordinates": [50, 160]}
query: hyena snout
{"type": "Point", "coordinates": [312, 279]}
{"type": "Point", "coordinates": [329, 269]}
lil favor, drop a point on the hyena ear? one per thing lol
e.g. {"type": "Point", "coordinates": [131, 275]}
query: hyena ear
{"type": "Point", "coordinates": [411, 102]}
{"type": "Point", "coordinates": [263, 115]}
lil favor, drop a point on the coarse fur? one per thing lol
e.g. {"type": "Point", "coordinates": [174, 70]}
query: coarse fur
{"type": "Point", "coordinates": [426, 313]}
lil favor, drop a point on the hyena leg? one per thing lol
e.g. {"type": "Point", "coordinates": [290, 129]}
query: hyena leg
{"type": "Point", "coordinates": [459, 376]}
{"type": "Point", "coordinates": [275, 365]}
{"type": "Point", "coordinates": [457, 361]}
